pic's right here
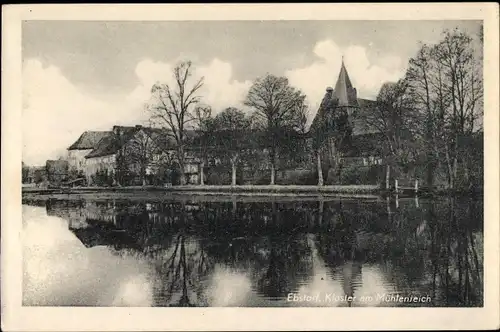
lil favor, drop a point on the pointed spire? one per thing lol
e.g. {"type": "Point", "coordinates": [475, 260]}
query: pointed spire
{"type": "Point", "coordinates": [344, 90]}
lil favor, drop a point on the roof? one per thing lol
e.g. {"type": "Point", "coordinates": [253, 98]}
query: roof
{"type": "Point", "coordinates": [345, 95]}
{"type": "Point", "coordinates": [111, 143]}
{"type": "Point", "coordinates": [344, 90]}
{"type": "Point", "coordinates": [120, 135]}
{"type": "Point", "coordinates": [328, 104]}
{"type": "Point", "coordinates": [88, 140]}
{"type": "Point", "coordinates": [360, 125]}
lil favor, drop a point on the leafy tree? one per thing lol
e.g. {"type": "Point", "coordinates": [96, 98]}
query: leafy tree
{"type": "Point", "coordinates": [231, 137]}
{"type": "Point", "coordinates": [204, 129]}
{"type": "Point", "coordinates": [278, 107]}
{"type": "Point", "coordinates": [25, 172]}
{"type": "Point", "coordinates": [39, 175]}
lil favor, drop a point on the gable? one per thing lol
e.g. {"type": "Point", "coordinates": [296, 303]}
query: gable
{"type": "Point", "coordinates": [88, 140]}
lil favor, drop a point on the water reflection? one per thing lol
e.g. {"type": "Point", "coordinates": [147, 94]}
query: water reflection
{"type": "Point", "coordinates": [237, 253]}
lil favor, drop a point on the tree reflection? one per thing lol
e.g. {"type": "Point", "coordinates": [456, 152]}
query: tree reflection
{"type": "Point", "coordinates": [433, 249]}
{"type": "Point", "coordinates": [434, 252]}
{"type": "Point", "coordinates": [175, 274]}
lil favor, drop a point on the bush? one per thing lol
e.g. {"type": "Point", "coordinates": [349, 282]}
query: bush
{"type": "Point", "coordinates": [219, 175]}
{"type": "Point", "coordinates": [361, 175]}
{"type": "Point", "coordinates": [103, 178]}
{"type": "Point", "coordinates": [297, 177]}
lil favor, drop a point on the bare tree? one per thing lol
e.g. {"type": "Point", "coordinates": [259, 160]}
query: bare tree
{"type": "Point", "coordinates": [464, 83]}
{"type": "Point", "coordinates": [173, 105]}
{"type": "Point", "coordinates": [445, 84]}
{"type": "Point", "coordinates": [394, 118]}
{"type": "Point", "coordinates": [277, 107]}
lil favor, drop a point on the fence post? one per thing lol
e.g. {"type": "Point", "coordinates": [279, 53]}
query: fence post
{"type": "Point", "coordinates": [396, 185]}
{"type": "Point", "coordinates": [416, 186]}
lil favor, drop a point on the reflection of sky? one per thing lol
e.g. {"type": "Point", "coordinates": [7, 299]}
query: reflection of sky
{"type": "Point", "coordinates": [59, 270]}
{"type": "Point", "coordinates": [229, 287]}
{"type": "Point", "coordinates": [344, 281]}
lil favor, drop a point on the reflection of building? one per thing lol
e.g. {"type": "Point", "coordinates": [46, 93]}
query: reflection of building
{"type": "Point", "coordinates": [93, 223]}
{"type": "Point", "coordinates": [77, 213]}
{"type": "Point", "coordinates": [103, 211]}
{"type": "Point", "coordinates": [73, 212]}
{"type": "Point", "coordinates": [97, 235]}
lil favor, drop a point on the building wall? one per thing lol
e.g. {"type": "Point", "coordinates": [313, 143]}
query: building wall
{"type": "Point", "coordinates": [76, 159]}
{"type": "Point", "coordinates": [92, 165]}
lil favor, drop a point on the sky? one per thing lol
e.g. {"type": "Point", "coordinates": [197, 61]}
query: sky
{"type": "Point", "coordinates": [91, 75]}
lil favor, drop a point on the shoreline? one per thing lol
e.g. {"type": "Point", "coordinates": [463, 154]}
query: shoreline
{"type": "Point", "coordinates": [365, 189]}
{"type": "Point", "coordinates": [211, 192]}
{"type": "Point", "coordinates": [205, 192]}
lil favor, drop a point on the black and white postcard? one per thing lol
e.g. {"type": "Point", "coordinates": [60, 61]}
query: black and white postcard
{"type": "Point", "coordinates": [192, 167]}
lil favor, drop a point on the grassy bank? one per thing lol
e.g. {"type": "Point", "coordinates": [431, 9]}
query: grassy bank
{"type": "Point", "coordinates": [347, 189]}
{"type": "Point", "coordinates": [203, 192]}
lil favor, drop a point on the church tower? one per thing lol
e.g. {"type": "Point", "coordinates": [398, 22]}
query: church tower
{"type": "Point", "coordinates": [343, 98]}
{"type": "Point", "coordinates": [332, 126]}
{"type": "Point", "coordinates": [344, 91]}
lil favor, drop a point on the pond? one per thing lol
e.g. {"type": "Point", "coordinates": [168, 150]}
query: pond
{"type": "Point", "coordinates": [241, 252]}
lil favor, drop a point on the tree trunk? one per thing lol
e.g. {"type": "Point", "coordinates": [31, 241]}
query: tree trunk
{"type": "Point", "coordinates": [143, 176]}
{"type": "Point", "coordinates": [182, 179]}
{"type": "Point", "coordinates": [450, 168]}
{"type": "Point", "coordinates": [431, 168]}
{"type": "Point", "coordinates": [455, 162]}
{"type": "Point", "coordinates": [233, 172]}
{"type": "Point", "coordinates": [320, 169]}
{"type": "Point", "coordinates": [182, 170]}
{"type": "Point", "coordinates": [202, 175]}
{"type": "Point", "coordinates": [273, 173]}
{"type": "Point", "coordinates": [335, 162]}
{"type": "Point", "coordinates": [320, 212]}
{"type": "Point", "coordinates": [235, 204]}
{"type": "Point", "coordinates": [388, 177]}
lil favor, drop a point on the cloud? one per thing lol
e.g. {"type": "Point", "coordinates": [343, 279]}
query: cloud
{"type": "Point", "coordinates": [367, 75]}
{"type": "Point", "coordinates": [58, 270]}
{"type": "Point", "coordinates": [56, 111]}
{"type": "Point", "coordinates": [219, 90]}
